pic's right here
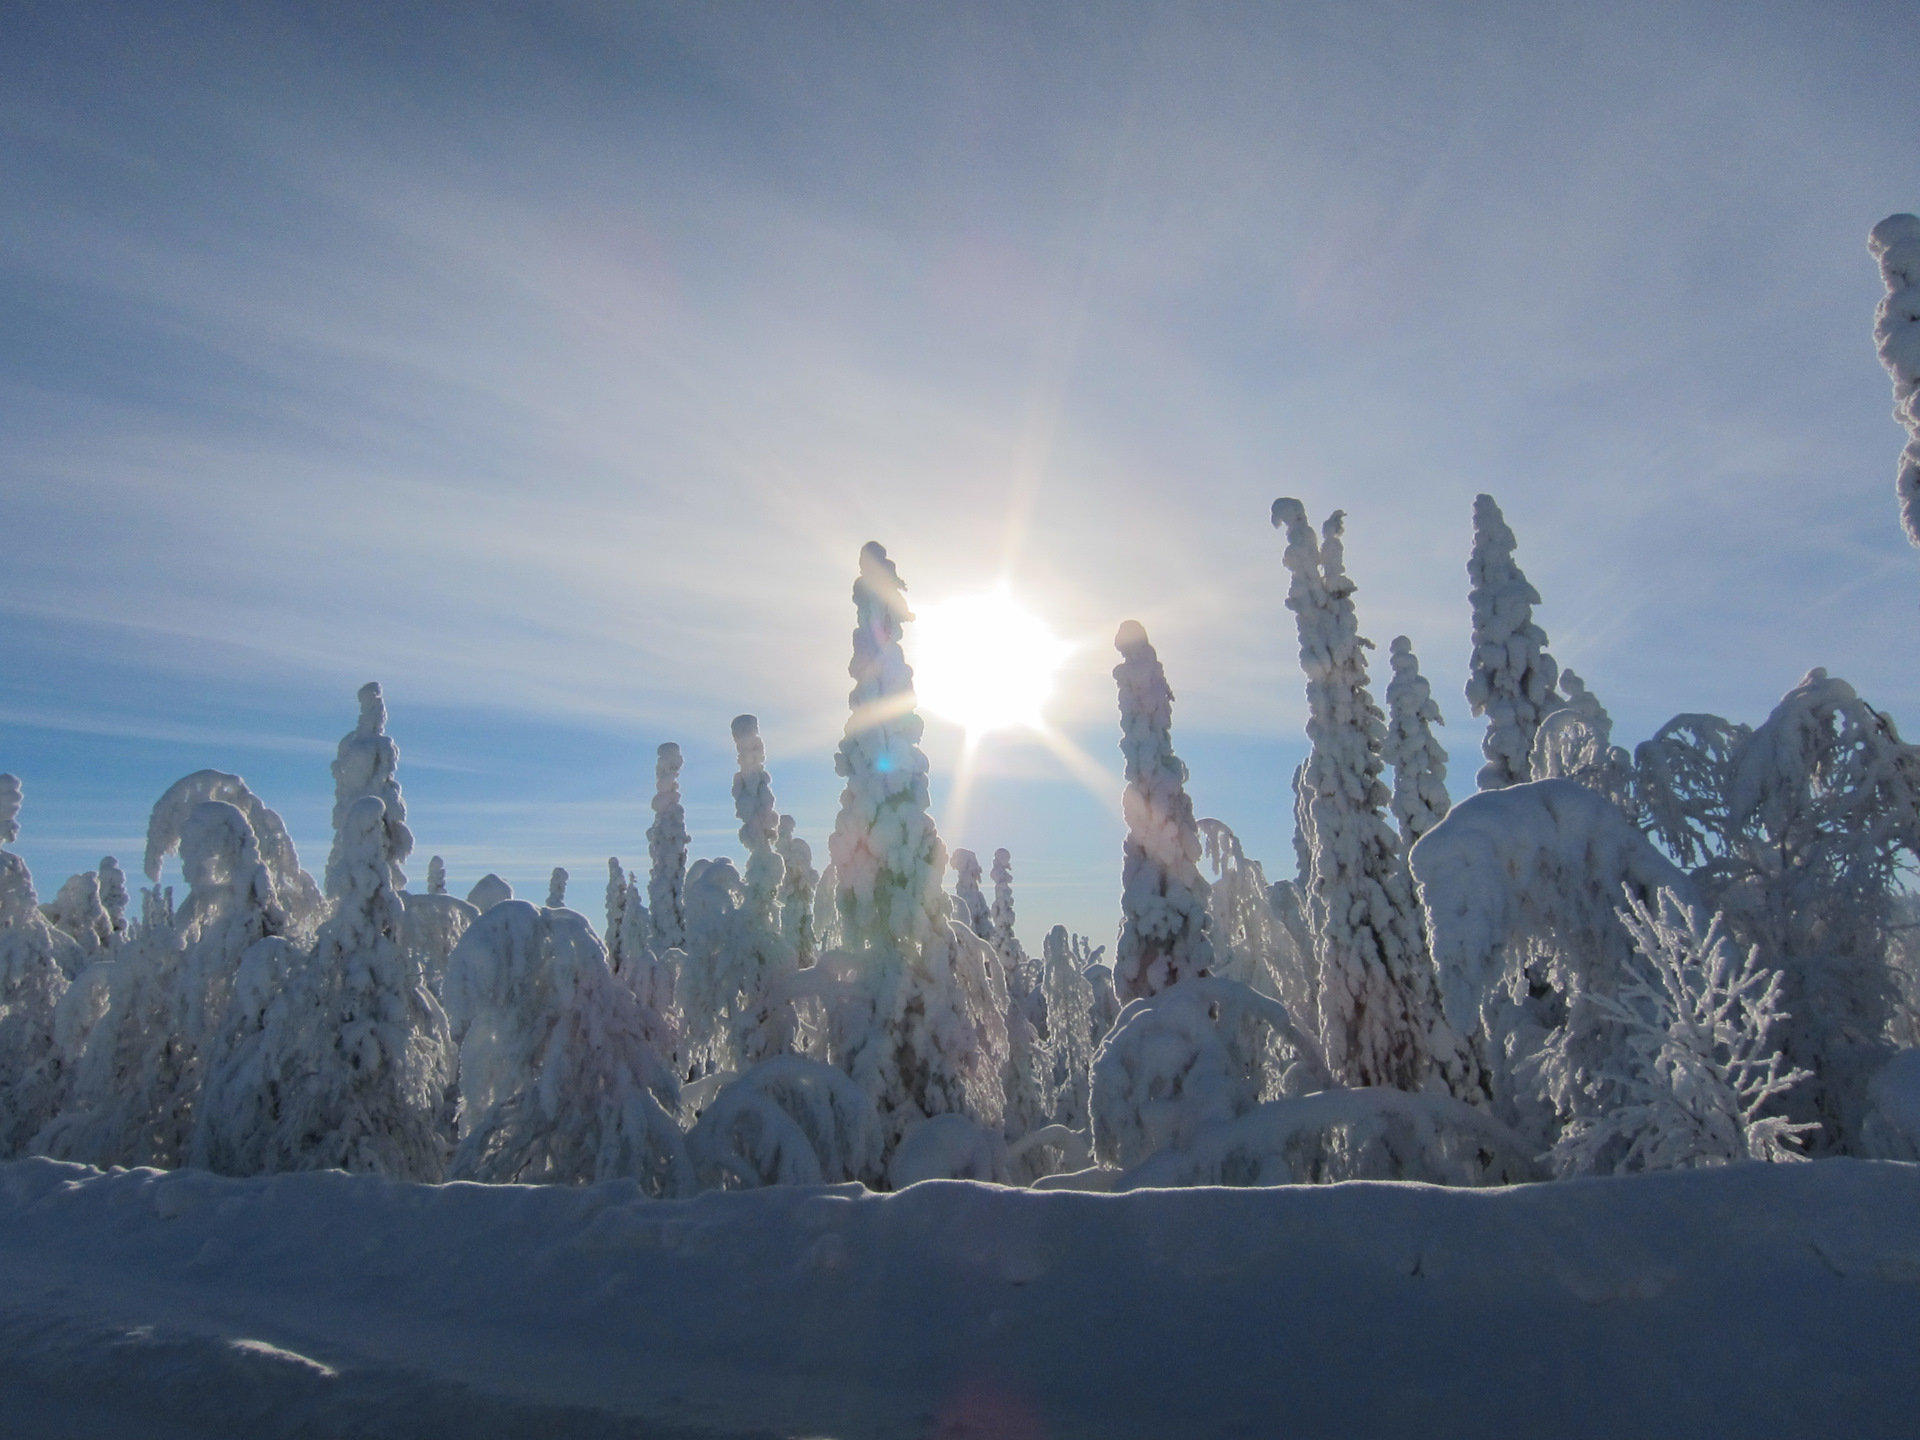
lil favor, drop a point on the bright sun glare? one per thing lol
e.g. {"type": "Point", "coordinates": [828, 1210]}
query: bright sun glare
{"type": "Point", "coordinates": [983, 661]}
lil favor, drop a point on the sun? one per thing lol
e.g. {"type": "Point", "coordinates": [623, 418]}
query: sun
{"type": "Point", "coordinates": [983, 661]}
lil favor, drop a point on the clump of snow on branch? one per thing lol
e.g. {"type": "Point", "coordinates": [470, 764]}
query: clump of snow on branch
{"type": "Point", "coordinates": [1575, 742]}
{"type": "Point", "coordinates": [1895, 243]}
{"type": "Point", "coordinates": [1511, 678]}
{"type": "Point", "coordinates": [918, 1017]}
{"type": "Point", "coordinates": [560, 1082]}
{"type": "Point", "coordinates": [667, 842]}
{"type": "Point", "coordinates": [1419, 763]}
{"type": "Point", "coordinates": [1200, 1052]}
{"type": "Point", "coordinates": [352, 1048]}
{"type": "Point", "coordinates": [788, 1121]}
{"type": "Point", "coordinates": [365, 765]}
{"type": "Point", "coordinates": [1377, 1001]}
{"type": "Point", "coordinates": [488, 891]}
{"type": "Point", "coordinates": [1698, 1066]}
{"type": "Point", "coordinates": [298, 895]}
{"type": "Point", "coordinates": [1163, 898]}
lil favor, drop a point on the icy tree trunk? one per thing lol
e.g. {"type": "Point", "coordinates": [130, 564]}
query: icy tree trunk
{"type": "Point", "coordinates": [667, 841]}
{"type": "Point", "coordinates": [1895, 243]}
{"type": "Point", "coordinates": [364, 766]}
{"type": "Point", "coordinates": [1163, 898]}
{"type": "Point", "coordinates": [1419, 764]}
{"type": "Point", "coordinates": [1378, 1000]}
{"type": "Point", "coordinates": [921, 1026]}
{"type": "Point", "coordinates": [1511, 678]}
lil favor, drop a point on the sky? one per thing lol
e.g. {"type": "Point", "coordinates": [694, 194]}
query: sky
{"type": "Point", "coordinates": [550, 363]}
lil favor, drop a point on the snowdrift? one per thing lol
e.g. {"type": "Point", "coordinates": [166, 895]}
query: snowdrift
{"type": "Point", "coordinates": [1753, 1300]}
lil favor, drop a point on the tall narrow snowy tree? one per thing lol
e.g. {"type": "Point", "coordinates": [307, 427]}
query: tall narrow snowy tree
{"type": "Point", "coordinates": [32, 981]}
{"type": "Point", "coordinates": [1895, 243]}
{"type": "Point", "coordinates": [1419, 764]}
{"type": "Point", "coordinates": [667, 842]}
{"type": "Point", "coordinates": [436, 876]}
{"type": "Point", "coordinates": [762, 1023]}
{"type": "Point", "coordinates": [616, 912]}
{"type": "Point", "coordinates": [1511, 679]}
{"type": "Point", "coordinates": [971, 901]}
{"type": "Point", "coordinates": [1163, 898]}
{"type": "Point", "coordinates": [920, 1025]}
{"type": "Point", "coordinates": [1377, 995]}
{"type": "Point", "coordinates": [798, 885]}
{"type": "Point", "coordinates": [557, 889]}
{"type": "Point", "coordinates": [365, 765]}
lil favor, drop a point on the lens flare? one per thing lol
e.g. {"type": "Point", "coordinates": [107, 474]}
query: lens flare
{"type": "Point", "coordinates": [983, 661]}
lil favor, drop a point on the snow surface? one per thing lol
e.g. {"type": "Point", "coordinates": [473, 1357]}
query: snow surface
{"type": "Point", "coordinates": [1753, 1300]}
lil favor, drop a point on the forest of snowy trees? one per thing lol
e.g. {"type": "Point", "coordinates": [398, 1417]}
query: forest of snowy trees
{"type": "Point", "coordinates": [1598, 962]}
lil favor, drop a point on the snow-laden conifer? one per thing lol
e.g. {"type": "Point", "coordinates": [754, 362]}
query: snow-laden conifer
{"type": "Point", "coordinates": [1419, 763]}
{"type": "Point", "coordinates": [136, 1088]}
{"type": "Point", "coordinates": [346, 1064]}
{"type": "Point", "coordinates": [557, 889]}
{"type": "Point", "coordinates": [434, 924]}
{"type": "Point", "coordinates": [113, 895]}
{"type": "Point", "coordinates": [33, 1078]}
{"type": "Point", "coordinates": [76, 911]}
{"type": "Point", "coordinates": [1026, 1080]}
{"type": "Point", "coordinates": [1699, 1066]}
{"type": "Point", "coordinates": [667, 842]}
{"type": "Point", "coordinates": [1163, 898]}
{"type": "Point", "coordinates": [970, 900]}
{"type": "Point", "coordinates": [1895, 243]}
{"type": "Point", "coordinates": [436, 876]}
{"type": "Point", "coordinates": [365, 765]}
{"type": "Point", "coordinates": [1251, 944]}
{"type": "Point", "coordinates": [617, 883]}
{"type": "Point", "coordinates": [293, 887]}
{"type": "Point", "coordinates": [789, 1120]}
{"type": "Point", "coordinates": [1511, 678]}
{"type": "Point", "coordinates": [1376, 993]}
{"type": "Point", "coordinates": [560, 1080]}
{"type": "Point", "coordinates": [917, 1014]}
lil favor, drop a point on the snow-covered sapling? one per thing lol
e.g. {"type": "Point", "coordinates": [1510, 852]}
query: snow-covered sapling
{"type": "Point", "coordinates": [1163, 899]}
{"type": "Point", "coordinates": [975, 913]}
{"type": "Point", "coordinates": [436, 876]}
{"type": "Point", "coordinates": [798, 885]}
{"type": "Point", "coordinates": [1419, 763]}
{"type": "Point", "coordinates": [365, 765]}
{"type": "Point", "coordinates": [557, 889]}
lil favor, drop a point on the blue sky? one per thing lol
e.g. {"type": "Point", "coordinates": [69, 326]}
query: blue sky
{"type": "Point", "coordinates": [550, 364]}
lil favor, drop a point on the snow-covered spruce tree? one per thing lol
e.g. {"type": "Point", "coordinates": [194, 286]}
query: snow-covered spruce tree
{"type": "Point", "coordinates": [651, 976]}
{"type": "Point", "coordinates": [347, 1063]}
{"type": "Point", "coordinates": [365, 765]}
{"type": "Point", "coordinates": [667, 842]}
{"type": "Point", "coordinates": [436, 876]}
{"type": "Point", "coordinates": [1419, 764]}
{"type": "Point", "coordinates": [1070, 1033]}
{"type": "Point", "coordinates": [1796, 833]}
{"type": "Point", "coordinates": [33, 1077]}
{"type": "Point", "coordinates": [76, 912]}
{"type": "Point", "coordinates": [798, 884]}
{"type": "Point", "coordinates": [1163, 899]}
{"type": "Point", "coordinates": [557, 889]}
{"type": "Point", "coordinates": [1022, 974]}
{"type": "Point", "coordinates": [1699, 1068]}
{"type": "Point", "coordinates": [299, 897]}
{"type": "Point", "coordinates": [1522, 890]}
{"type": "Point", "coordinates": [113, 895]}
{"type": "Point", "coordinates": [1026, 1080]}
{"type": "Point", "coordinates": [434, 924]}
{"type": "Point", "coordinates": [1895, 243]}
{"type": "Point", "coordinates": [916, 1014]}
{"type": "Point", "coordinates": [968, 898]}
{"type": "Point", "coordinates": [1511, 677]}
{"type": "Point", "coordinates": [788, 1121]}
{"type": "Point", "coordinates": [1379, 1010]}
{"type": "Point", "coordinates": [137, 1086]}
{"type": "Point", "coordinates": [560, 1080]}
{"type": "Point", "coordinates": [617, 883]}
{"type": "Point", "coordinates": [1575, 742]}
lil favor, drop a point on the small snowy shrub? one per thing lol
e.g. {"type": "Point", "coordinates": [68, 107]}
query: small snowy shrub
{"type": "Point", "coordinates": [1200, 1052]}
{"type": "Point", "coordinates": [1698, 1063]}
{"type": "Point", "coordinates": [560, 1080]}
{"type": "Point", "coordinates": [788, 1121]}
